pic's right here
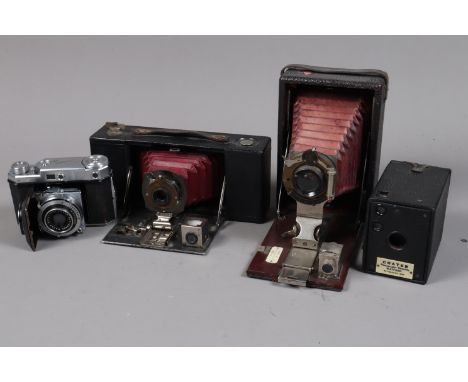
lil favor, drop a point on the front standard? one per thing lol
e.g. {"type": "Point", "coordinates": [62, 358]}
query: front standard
{"type": "Point", "coordinates": [59, 197]}
{"type": "Point", "coordinates": [176, 187]}
{"type": "Point", "coordinates": [329, 136]}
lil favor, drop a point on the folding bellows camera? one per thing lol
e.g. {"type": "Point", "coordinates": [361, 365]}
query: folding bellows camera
{"type": "Point", "coordinates": [175, 187]}
{"type": "Point", "coordinates": [329, 135]}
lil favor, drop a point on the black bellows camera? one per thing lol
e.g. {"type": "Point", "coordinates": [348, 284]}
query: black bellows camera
{"type": "Point", "coordinates": [175, 187]}
{"type": "Point", "coordinates": [58, 197]}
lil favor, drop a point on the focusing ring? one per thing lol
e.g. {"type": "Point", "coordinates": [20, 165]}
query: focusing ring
{"type": "Point", "coordinates": [72, 213]}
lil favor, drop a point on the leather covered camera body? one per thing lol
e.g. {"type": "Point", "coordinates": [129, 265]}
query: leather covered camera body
{"type": "Point", "coordinates": [175, 187]}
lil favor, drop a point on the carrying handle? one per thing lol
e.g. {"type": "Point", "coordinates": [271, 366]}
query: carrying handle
{"type": "Point", "coordinates": [116, 128]}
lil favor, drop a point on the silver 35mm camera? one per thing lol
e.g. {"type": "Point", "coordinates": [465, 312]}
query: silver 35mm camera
{"type": "Point", "coordinates": [58, 197]}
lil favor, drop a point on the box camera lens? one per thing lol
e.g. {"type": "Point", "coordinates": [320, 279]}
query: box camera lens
{"type": "Point", "coordinates": [397, 241]}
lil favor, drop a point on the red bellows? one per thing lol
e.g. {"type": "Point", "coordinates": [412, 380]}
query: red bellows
{"type": "Point", "coordinates": [334, 126]}
{"type": "Point", "coordinates": [196, 169]}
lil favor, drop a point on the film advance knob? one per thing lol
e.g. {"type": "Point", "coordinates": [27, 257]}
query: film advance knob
{"type": "Point", "coordinates": [247, 141]}
{"type": "Point", "coordinates": [95, 162]}
{"type": "Point", "coordinates": [20, 168]}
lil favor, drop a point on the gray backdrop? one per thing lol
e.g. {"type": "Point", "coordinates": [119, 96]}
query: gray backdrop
{"type": "Point", "coordinates": [55, 92]}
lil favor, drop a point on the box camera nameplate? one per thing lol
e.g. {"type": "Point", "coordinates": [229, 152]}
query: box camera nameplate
{"type": "Point", "coordinates": [394, 268]}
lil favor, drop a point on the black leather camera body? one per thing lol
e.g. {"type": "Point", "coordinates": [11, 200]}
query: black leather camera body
{"type": "Point", "coordinates": [405, 221]}
{"type": "Point", "coordinates": [59, 197]}
{"type": "Point", "coordinates": [175, 187]}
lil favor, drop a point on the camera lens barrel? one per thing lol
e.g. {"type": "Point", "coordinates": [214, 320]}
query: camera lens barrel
{"type": "Point", "coordinates": [309, 177]}
{"type": "Point", "coordinates": [161, 197]}
{"type": "Point", "coordinates": [309, 181]}
{"type": "Point", "coordinates": [60, 218]}
{"type": "Point", "coordinates": [164, 191]}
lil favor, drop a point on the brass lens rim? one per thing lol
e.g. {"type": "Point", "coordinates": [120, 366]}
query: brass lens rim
{"type": "Point", "coordinates": [168, 183]}
{"type": "Point", "coordinates": [314, 161]}
{"type": "Point", "coordinates": [302, 174]}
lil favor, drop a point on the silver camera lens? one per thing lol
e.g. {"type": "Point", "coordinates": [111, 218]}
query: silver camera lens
{"type": "Point", "coordinates": [60, 218]}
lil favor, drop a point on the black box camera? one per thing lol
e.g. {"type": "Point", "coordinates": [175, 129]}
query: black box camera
{"type": "Point", "coordinates": [405, 220]}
